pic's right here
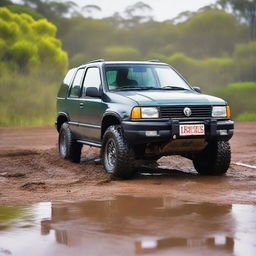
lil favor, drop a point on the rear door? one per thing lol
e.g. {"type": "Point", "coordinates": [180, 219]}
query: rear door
{"type": "Point", "coordinates": [73, 101]}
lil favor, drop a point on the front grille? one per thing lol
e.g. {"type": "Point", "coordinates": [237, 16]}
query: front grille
{"type": "Point", "coordinates": [177, 111]}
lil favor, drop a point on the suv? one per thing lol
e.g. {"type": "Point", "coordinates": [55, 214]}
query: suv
{"type": "Point", "coordinates": [141, 111]}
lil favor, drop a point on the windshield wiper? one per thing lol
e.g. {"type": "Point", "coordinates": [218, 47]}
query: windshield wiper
{"type": "Point", "coordinates": [169, 87]}
{"type": "Point", "coordinates": [124, 88]}
{"type": "Point", "coordinates": [127, 88]}
{"type": "Point", "coordinates": [140, 88]}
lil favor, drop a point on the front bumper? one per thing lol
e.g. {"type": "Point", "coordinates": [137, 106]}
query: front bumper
{"type": "Point", "coordinates": [135, 131]}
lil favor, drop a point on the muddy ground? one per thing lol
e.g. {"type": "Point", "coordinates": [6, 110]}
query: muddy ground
{"type": "Point", "coordinates": [32, 171]}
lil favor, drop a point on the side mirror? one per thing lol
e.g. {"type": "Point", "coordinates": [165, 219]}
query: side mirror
{"type": "Point", "coordinates": [197, 89]}
{"type": "Point", "coordinates": [93, 92]}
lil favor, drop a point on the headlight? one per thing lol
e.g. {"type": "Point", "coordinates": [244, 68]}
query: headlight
{"type": "Point", "coordinates": [149, 113]}
{"type": "Point", "coordinates": [219, 111]}
{"type": "Point", "coordinates": [144, 112]}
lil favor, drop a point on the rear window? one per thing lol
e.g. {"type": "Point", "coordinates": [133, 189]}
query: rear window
{"type": "Point", "coordinates": [68, 78]}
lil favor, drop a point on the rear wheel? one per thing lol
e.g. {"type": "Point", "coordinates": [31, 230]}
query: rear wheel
{"type": "Point", "coordinates": [68, 147]}
{"type": "Point", "coordinates": [117, 154]}
{"type": "Point", "coordinates": [214, 159]}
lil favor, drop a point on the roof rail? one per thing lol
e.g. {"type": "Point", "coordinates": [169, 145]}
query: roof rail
{"type": "Point", "coordinates": [98, 60]}
{"type": "Point", "coordinates": [154, 61]}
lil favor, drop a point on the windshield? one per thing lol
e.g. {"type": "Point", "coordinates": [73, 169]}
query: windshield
{"type": "Point", "coordinates": [143, 77]}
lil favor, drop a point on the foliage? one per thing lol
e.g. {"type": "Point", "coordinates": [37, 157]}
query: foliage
{"type": "Point", "coordinates": [22, 9]}
{"type": "Point", "coordinates": [8, 213]}
{"type": "Point", "coordinates": [52, 9]}
{"type": "Point", "coordinates": [31, 66]}
{"type": "Point", "coordinates": [241, 97]}
{"type": "Point", "coordinates": [210, 47]}
{"type": "Point", "coordinates": [245, 10]}
{"type": "Point", "coordinates": [27, 43]}
{"type": "Point", "coordinates": [245, 59]}
{"type": "Point", "coordinates": [209, 74]}
{"type": "Point", "coordinates": [120, 52]}
{"type": "Point", "coordinates": [211, 33]}
{"type": "Point", "coordinates": [24, 102]}
{"type": "Point", "coordinates": [251, 116]}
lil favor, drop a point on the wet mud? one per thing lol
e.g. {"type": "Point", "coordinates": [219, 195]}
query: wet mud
{"type": "Point", "coordinates": [32, 171]}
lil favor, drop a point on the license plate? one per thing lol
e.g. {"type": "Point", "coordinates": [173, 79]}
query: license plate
{"type": "Point", "coordinates": [192, 129]}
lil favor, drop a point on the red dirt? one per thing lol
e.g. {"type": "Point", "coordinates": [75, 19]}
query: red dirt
{"type": "Point", "coordinates": [32, 171]}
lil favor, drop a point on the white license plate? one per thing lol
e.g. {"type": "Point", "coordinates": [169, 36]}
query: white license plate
{"type": "Point", "coordinates": [192, 129]}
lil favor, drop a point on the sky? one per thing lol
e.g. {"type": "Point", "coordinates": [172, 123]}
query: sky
{"type": "Point", "coordinates": [162, 9]}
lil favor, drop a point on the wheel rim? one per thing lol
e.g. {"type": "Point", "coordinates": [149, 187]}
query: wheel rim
{"type": "Point", "coordinates": [111, 153]}
{"type": "Point", "coordinates": [63, 148]}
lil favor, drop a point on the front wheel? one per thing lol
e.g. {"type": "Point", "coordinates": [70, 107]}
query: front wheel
{"type": "Point", "coordinates": [117, 154]}
{"type": "Point", "coordinates": [214, 159]}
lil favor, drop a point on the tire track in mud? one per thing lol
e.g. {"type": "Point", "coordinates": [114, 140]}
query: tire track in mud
{"type": "Point", "coordinates": [32, 171]}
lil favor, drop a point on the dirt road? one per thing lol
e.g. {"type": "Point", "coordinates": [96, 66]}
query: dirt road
{"type": "Point", "coordinates": [32, 171]}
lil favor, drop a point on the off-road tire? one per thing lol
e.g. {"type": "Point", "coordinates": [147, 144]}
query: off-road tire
{"type": "Point", "coordinates": [68, 146]}
{"type": "Point", "coordinates": [214, 159]}
{"type": "Point", "coordinates": [121, 165]}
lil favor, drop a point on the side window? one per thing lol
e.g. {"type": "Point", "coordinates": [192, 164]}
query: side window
{"type": "Point", "coordinates": [92, 79]}
{"type": "Point", "coordinates": [76, 85]}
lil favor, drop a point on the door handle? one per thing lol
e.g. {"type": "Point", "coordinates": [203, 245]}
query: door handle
{"type": "Point", "coordinates": [81, 105]}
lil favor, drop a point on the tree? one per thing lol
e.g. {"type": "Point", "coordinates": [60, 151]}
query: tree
{"type": "Point", "coordinates": [211, 33]}
{"type": "Point", "coordinates": [245, 59]}
{"type": "Point", "coordinates": [32, 63]}
{"type": "Point", "coordinates": [90, 9]}
{"type": "Point", "coordinates": [184, 16]}
{"type": "Point", "coordinates": [137, 13]}
{"type": "Point", "coordinates": [29, 43]}
{"type": "Point", "coordinates": [121, 52]}
{"type": "Point", "coordinates": [52, 10]}
{"type": "Point", "coordinates": [244, 10]}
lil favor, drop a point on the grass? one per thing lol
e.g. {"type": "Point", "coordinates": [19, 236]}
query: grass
{"type": "Point", "coordinates": [247, 116]}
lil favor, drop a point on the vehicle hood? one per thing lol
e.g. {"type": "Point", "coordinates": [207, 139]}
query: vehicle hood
{"type": "Point", "coordinates": [166, 97]}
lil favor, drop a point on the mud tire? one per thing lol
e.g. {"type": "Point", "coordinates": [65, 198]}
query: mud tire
{"type": "Point", "coordinates": [117, 155]}
{"type": "Point", "coordinates": [214, 159]}
{"type": "Point", "coordinates": [68, 147]}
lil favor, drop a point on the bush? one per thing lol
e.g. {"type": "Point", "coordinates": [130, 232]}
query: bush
{"type": "Point", "coordinates": [208, 73]}
{"type": "Point", "coordinates": [27, 100]}
{"type": "Point", "coordinates": [32, 65]}
{"type": "Point", "coordinates": [121, 53]}
{"type": "Point", "coordinates": [246, 117]}
{"type": "Point", "coordinates": [245, 59]}
{"type": "Point", "coordinates": [27, 40]}
{"type": "Point", "coordinates": [241, 97]}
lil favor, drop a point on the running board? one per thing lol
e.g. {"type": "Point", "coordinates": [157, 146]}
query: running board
{"type": "Point", "coordinates": [90, 143]}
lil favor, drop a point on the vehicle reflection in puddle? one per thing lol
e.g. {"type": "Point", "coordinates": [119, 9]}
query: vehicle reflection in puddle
{"type": "Point", "coordinates": [129, 225]}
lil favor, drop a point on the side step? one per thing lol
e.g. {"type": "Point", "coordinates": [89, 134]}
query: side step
{"type": "Point", "coordinates": [90, 143]}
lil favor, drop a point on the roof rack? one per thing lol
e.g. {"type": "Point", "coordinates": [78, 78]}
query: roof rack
{"type": "Point", "coordinates": [98, 60]}
{"type": "Point", "coordinates": [154, 61]}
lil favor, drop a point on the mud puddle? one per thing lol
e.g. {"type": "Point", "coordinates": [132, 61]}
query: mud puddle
{"type": "Point", "coordinates": [126, 225]}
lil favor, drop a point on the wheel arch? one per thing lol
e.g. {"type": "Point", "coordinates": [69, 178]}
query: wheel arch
{"type": "Point", "coordinates": [109, 119]}
{"type": "Point", "coordinates": [61, 119]}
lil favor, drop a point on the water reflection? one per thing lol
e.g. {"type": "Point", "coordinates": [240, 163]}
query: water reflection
{"type": "Point", "coordinates": [222, 243]}
{"type": "Point", "coordinates": [183, 224]}
{"type": "Point", "coordinates": [137, 225]}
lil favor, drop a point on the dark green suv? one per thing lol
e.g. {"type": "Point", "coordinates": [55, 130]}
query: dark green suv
{"type": "Point", "coordinates": [141, 111]}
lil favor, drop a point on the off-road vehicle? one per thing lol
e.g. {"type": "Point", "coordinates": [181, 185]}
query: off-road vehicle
{"type": "Point", "coordinates": [141, 111]}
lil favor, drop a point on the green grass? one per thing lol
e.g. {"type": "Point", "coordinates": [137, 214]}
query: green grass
{"type": "Point", "coordinates": [24, 121]}
{"type": "Point", "coordinates": [248, 116]}
{"type": "Point", "coordinates": [27, 100]}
